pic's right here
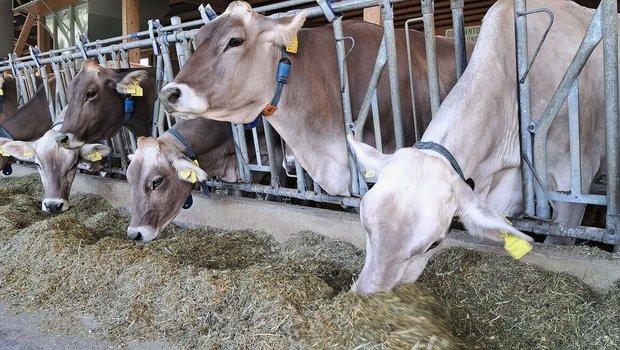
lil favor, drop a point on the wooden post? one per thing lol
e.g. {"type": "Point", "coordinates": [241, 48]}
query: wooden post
{"type": "Point", "coordinates": [131, 24]}
{"type": "Point", "coordinates": [44, 39]}
{"type": "Point", "coordinates": [23, 35]}
{"type": "Point", "coordinates": [373, 15]}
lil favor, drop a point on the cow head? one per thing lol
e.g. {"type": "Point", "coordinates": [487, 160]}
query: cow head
{"type": "Point", "coordinates": [95, 109]}
{"type": "Point", "coordinates": [408, 212]}
{"type": "Point", "coordinates": [56, 165]}
{"type": "Point", "coordinates": [158, 175]}
{"type": "Point", "coordinates": [231, 75]}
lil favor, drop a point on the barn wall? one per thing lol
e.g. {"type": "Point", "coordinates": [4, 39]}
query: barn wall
{"type": "Point", "coordinates": [6, 27]}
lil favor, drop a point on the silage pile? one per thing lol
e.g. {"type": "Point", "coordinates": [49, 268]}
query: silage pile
{"type": "Point", "coordinates": [206, 288]}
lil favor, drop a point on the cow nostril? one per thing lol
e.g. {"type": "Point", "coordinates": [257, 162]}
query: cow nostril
{"type": "Point", "coordinates": [54, 207]}
{"type": "Point", "coordinates": [61, 138]}
{"type": "Point", "coordinates": [135, 236]}
{"type": "Point", "coordinates": [173, 95]}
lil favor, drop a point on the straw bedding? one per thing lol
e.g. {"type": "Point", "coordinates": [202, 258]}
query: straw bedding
{"type": "Point", "coordinates": [214, 289]}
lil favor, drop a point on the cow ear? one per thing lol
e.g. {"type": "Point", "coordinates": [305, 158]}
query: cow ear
{"type": "Point", "coordinates": [90, 64]}
{"type": "Point", "coordinates": [188, 171]}
{"type": "Point", "coordinates": [285, 29]}
{"type": "Point", "coordinates": [21, 150]}
{"type": "Point", "coordinates": [131, 157]}
{"type": "Point", "coordinates": [93, 152]}
{"type": "Point", "coordinates": [129, 79]}
{"type": "Point", "coordinates": [479, 219]}
{"type": "Point", "coordinates": [369, 158]}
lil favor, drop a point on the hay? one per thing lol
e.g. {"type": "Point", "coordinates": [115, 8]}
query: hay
{"type": "Point", "coordinates": [207, 288]}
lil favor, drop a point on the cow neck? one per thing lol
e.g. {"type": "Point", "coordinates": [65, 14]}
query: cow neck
{"type": "Point", "coordinates": [284, 68]}
{"type": "Point", "coordinates": [29, 122]}
{"type": "Point", "coordinates": [449, 157]}
{"type": "Point", "coordinates": [188, 149]}
{"type": "Point", "coordinates": [485, 139]}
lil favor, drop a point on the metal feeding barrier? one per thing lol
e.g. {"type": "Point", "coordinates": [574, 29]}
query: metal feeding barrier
{"type": "Point", "coordinates": [172, 46]}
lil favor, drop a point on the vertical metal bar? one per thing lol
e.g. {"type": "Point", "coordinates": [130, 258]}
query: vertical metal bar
{"type": "Point", "coordinates": [175, 20]}
{"type": "Point", "coordinates": [241, 148]}
{"type": "Point", "coordinates": [158, 120]}
{"type": "Point", "coordinates": [257, 152]}
{"type": "Point", "coordinates": [60, 88]}
{"type": "Point", "coordinates": [610, 67]}
{"type": "Point", "coordinates": [33, 81]}
{"type": "Point", "coordinates": [592, 37]}
{"type": "Point", "coordinates": [271, 153]}
{"type": "Point", "coordinates": [390, 45]}
{"type": "Point", "coordinates": [371, 91]}
{"type": "Point", "coordinates": [428, 8]}
{"type": "Point", "coordinates": [527, 177]}
{"type": "Point", "coordinates": [574, 141]}
{"type": "Point", "coordinates": [50, 95]}
{"type": "Point", "coordinates": [458, 23]}
{"type": "Point", "coordinates": [301, 178]}
{"type": "Point", "coordinates": [346, 100]}
{"type": "Point", "coordinates": [376, 123]}
{"type": "Point", "coordinates": [416, 127]}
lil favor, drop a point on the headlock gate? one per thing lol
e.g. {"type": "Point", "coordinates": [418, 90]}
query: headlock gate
{"type": "Point", "coordinates": [175, 41]}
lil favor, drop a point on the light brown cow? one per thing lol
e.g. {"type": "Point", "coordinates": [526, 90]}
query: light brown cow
{"type": "Point", "coordinates": [231, 77]}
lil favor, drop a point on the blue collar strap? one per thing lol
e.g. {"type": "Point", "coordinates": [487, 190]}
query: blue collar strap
{"type": "Point", "coordinates": [4, 133]}
{"type": "Point", "coordinates": [446, 154]}
{"type": "Point", "coordinates": [57, 122]}
{"type": "Point", "coordinates": [128, 108]}
{"type": "Point", "coordinates": [189, 151]}
{"type": "Point", "coordinates": [284, 69]}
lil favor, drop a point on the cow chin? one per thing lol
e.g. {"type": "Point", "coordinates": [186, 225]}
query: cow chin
{"type": "Point", "coordinates": [372, 281]}
{"type": "Point", "coordinates": [54, 205]}
{"type": "Point", "coordinates": [142, 233]}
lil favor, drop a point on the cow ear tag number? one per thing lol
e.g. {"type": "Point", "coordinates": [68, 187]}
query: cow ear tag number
{"type": "Point", "coordinates": [135, 89]}
{"type": "Point", "coordinates": [1, 92]}
{"type": "Point", "coordinates": [293, 45]}
{"type": "Point", "coordinates": [189, 174]}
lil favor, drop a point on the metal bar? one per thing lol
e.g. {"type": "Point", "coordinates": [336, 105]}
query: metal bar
{"type": "Point", "coordinates": [543, 38]}
{"type": "Point", "coordinates": [179, 45]}
{"type": "Point", "coordinates": [376, 123]}
{"type": "Point", "coordinates": [431, 54]}
{"type": "Point", "coordinates": [610, 67]}
{"type": "Point", "coordinates": [338, 7]}
{"type": "Point", "coordinates": [158, 116]}
{"type": "Point", "coordinates": [288, 192]}
{"type": "Point", "coordinates": [392, 62]}
{"type": "Point", "coordinates": [346, 103]}
{"type": "Point", "coordinates": [271, 153]}
{"type": "Point", "coordinates": [458, 23]}
{"type": "Point", "coordinates": [416, 127]}
{"type": "Point", "coordinates": [578, 198]}
{"type": "Point", "coordinates": [48, 92]}
{"type": "Point", "coordinates": [283, 4]}
{"type": "Point", "coordinates": [60, 86]}
{"type": "Point", "coordinates": [555, 229]}
{"type": "Point", "coordinates": [241, 148]}
{"type": "Point", "coordinates": [301, 178]}
{"type": "Point", "coordinates": [371, 91]}
{"type": "Point", "coordinates": [592, 38]}
{"type": "Point", "coordinates": [574, 142]}
{"type": "Point", "coordinates": [257, 152]}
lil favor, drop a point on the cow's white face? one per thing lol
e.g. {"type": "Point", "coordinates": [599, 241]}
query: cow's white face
{"type": "Point", "coordinates": [408, 213]}
{"type": "Point", "coordinates": [57, 166]}
{"type": "Point", "coordinates": [160, 187]}
{"type": "Point", "coordinates": [231, 75]}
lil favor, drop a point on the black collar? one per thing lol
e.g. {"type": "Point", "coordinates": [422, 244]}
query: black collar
{"type": "Point", "coordinates": [444, 152]}
{"type": "Point", "coordinates": [189, 151]}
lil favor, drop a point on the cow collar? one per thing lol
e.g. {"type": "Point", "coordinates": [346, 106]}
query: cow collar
{"type": "Point", "coordinates": [189, 152]}
{"type": "Point", "coordinates": [128, 108]}
{"type": "Point", "coordinates": [446, 154]}
{"type": "Point", "coordinates": [284, 68]}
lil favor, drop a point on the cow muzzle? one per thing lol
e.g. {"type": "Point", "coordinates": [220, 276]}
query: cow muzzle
{"type": "Point", "coordinates": [68, 141]}
{"type": "Point", "coordinates": [142, 233]}
{"type": "Point", "coordinates": [169, 96]}
{"type": "Point", "coordinates": [54, 206]}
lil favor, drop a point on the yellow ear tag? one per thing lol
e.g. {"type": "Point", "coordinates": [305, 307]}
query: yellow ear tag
{"type": "Point", "coordinates": [3, 152]}
{"type": "Point", "coordinates": [515, 246]}
{"type": "Point", "coordinates": [293, 46]}
{"type": "Point", "coordinates": [1, 92]}
{"type": "Point", "coordinates": [189, 174]}
{"type": "Point", "coordinates": [196, 162]}
{"type": "Point", "coordinates": [139, 92]}
{"type": "Point", "coordinates": [95, 156]}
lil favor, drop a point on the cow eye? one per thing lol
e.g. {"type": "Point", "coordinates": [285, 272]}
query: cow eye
{"type": "Point", "coordinates": [434, 245]}
{"type": "Point", "coordinates": [157, 181]}
{"type": "Point", "coordinates": [90, 94]}
{"type": "Point", "coordinates": [234, 42]}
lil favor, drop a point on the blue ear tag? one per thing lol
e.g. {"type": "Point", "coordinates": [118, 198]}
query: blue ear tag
{"type": "Point", "coordinates": [8, 170]}
{"type": "Point", "coordinates": [284, 69]}
{"type": "Point", "coordinates": [1, 98]}
{"type": "Point", "coordinates": [128, 105]}
{"type": "Point", "coordinates": [188, 202]}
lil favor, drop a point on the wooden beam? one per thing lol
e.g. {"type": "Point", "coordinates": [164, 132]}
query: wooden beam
{"type": "Point", "coordinates": [39, 7]}
{"type": "Point", "coordinates": [44, 39]}
{"type": "Point", "coordinates": [131, 24]}
{"type": "Point", "coordinates": [24, 34]}
{"type": "Point", "coordinates": [373, 15]}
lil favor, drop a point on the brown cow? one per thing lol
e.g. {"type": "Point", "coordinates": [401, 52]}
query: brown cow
{"type": "Point", "coordinates": [29, 122]}
{"type": "Point", "coordinates": [9, 99]}
{"type": "Point", "coordinates": [231, 77]}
